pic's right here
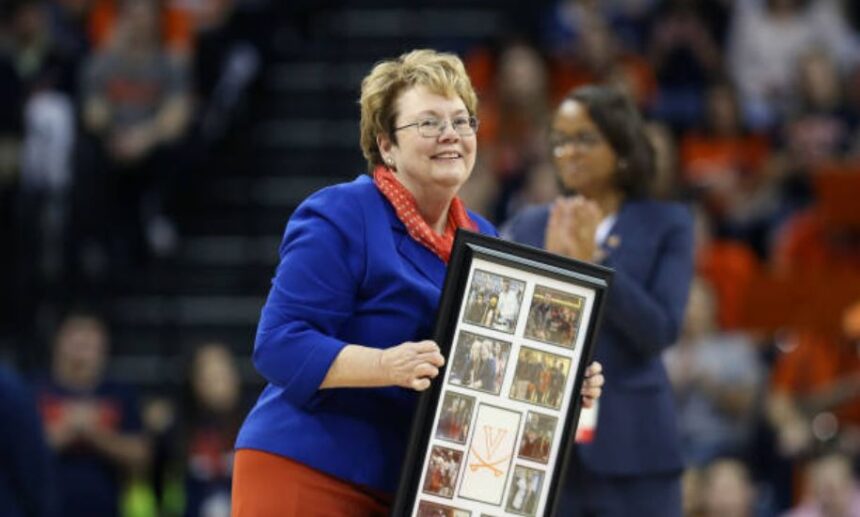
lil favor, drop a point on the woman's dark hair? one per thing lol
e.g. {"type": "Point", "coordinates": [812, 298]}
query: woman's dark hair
{"type": "Point", "coordinates": [620, 123]}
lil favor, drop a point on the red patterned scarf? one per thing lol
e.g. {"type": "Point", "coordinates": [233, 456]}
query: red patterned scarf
{"type": "Point", "coordinates": [406, 208]}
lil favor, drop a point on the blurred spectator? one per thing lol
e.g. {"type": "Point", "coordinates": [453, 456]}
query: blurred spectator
{"type": "Point", "coordinates": [226, 63]}
{"type": "Point", "coordinates": [815, 390]}
{"type": "Point", "coordinates": [596, 56]}
{"type": "Point", "coordinates": [807, 242]}
{"type": "Point", "coordinates": [27, 487]}
{"type": "Point", "coordinates": [725, 167]}
{"type": "Point", "coordinates": [92, 424]}
{"type": "Point", "coordinates": [685, 56]}
{"type": "Point", "coordinates": [514, 119]}
{"type": "Point", "coordinates": [766, 40]}
{"type": "Point", "coordinates": [37, 82]}
{"type": "Point", "coordinates": [721, 156]}
{"type": "Point", "coordinates": [819, 124]}
{"type": "Point", "coordinates": [716, 377]}
{"type": "Point", "coordinates": [832, 489]}
{"type": "Point", "coordinates": [212, 417]}
{"type": "Point", "coordinates": [665, 160]}
{"type": "Point", "coordinates": [193, 463]}
{"type": "Point", "coordinates": [68, 21]}
{"type": "Point", "coordinates": [727, 490]}
{"type": "Point", "coordinates": [728, 266]}
{"type": "Point", "coordinates": [136, 103]}
{"type": "Point", "coordinates": [627, 18]}
{"type": "Point", "coordinates": [37, 62]}
{"type": "Point", "coordinates": [173, 25]}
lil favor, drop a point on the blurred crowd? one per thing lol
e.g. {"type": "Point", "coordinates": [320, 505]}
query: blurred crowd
{"type": "Point", "coordinates": [76, 443]}
{"type": "Point", "coordinates": [109, 107]}
{"type": "Point", "coordinates": [752, 106]}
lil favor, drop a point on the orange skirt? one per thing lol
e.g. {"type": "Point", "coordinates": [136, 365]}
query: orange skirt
{"type": "Point", "coordinates": [265, 484]}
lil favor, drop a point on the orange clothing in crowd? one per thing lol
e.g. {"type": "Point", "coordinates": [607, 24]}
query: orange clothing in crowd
{"type": "Point", "coordinates": [634, 70]}
{"type": "Point", "coordinates": [176, 28]}
{"type": "Point", "coordinates": [729, 267]}
{"type": "Point", "coordinates": [813, 366]}
{"type": "Point", "coordinates": [702, 157]}
{"type": "Point", "coordinates": [805, 244]}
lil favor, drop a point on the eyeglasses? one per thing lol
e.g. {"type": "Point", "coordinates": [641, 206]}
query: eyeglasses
{"type": "Point", "coordinates": [564, 144]}
{"type": "Point", "coordinates": [434, 127]}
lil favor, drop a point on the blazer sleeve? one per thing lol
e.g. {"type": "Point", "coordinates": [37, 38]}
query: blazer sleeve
{"type": "Point", "coordinates": [313, 294]}
{"type": "Point", "coordinates": [650, 314]}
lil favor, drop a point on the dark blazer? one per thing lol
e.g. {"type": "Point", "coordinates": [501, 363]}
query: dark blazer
{"type": "Point", "coordinates": [349, 274]}
{"type": "Point", "coordinates": [650, 247]}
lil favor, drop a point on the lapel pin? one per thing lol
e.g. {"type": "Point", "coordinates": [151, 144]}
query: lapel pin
{"type": "Point", "coordinates": [613, 241]}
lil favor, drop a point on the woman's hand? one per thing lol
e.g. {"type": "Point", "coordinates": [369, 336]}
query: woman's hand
{"type": "Point", "coordinates": [572, 226]}
{"type": "Point", "coordinates": [557, 238]}
{"type": "Point", "coordinates": [412, 365]}
{"type": "Point", "coordinates": [592, 387]}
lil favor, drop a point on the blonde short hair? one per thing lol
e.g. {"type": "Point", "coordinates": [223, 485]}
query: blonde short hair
{"type": "Point", "coordinates": [441, 73]}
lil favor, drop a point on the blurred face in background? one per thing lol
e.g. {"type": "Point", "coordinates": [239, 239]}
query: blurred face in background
{"type": "Point", "coordinates": [522, 75]}
{"type": "Point", "coordinates": [722, 110]}
{"type": "Point", "coordinates": [215, 378]}
{"type": "Point", "coordinates": [584, 159]}
{"type": "Point", "coordinates": [819, 80]}
{"type": "Point", "coordinates": [140, 23]}
{"type": "Point", "coordinates": [727, 491]}
{"type": "Point", "coordinates": [28, 23]}
{"type": "Point", "coordinates": [597, 46]}
{"type": "Point", "coordinates": [851, 323]}
{"type": "Point", "coordinates": [832, 484]}
{"type": "Point", "coordinates": [80, 353]}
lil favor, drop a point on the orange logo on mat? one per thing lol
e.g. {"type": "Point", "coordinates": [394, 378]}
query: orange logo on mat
{"type": "Point", "coordinates": [492, 440]}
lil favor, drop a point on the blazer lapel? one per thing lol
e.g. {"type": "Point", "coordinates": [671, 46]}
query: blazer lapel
{"type": "Point", "coordinates": [613, 241]}
{"type": "Point", "coordinates": [422, 259]}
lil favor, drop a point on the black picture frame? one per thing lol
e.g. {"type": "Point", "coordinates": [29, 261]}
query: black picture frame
{"type": "Point", "coordinates": [512, 351]}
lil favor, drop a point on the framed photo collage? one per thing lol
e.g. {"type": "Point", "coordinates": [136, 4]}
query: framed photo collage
{"type": "Point", "coordinates": [516, 325]}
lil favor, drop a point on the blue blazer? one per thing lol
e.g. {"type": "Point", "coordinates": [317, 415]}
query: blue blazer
{"type": "Point", "coordinates": [650, 247]}
{"type": "Point", "coordinates": [349, 273]}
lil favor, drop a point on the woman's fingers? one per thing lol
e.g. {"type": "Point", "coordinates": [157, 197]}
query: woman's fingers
{"type": "Point", "coordinates": [420, 384]}
{"type": "Point", "coordinates": [434, 358]}
{"type": "Point", "coordinates": [594, 369]}
{"type": "Point", "coordinates": [592, 387]}
{"type": "Point", "coordinates": [426, 370]}
{"type": "Point", "coordinates": [413, 364]}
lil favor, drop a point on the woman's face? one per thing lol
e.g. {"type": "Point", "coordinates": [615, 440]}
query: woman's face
{"type": "Point", "coordinates": [215, 378]}
{"type": "Point", "coordinates": [583, 157]}
{"type": "Point", "coordinates": [429, 164]}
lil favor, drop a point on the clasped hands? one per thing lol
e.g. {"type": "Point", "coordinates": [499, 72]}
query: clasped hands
{"type": "Point", "coordinates": [571, 228]}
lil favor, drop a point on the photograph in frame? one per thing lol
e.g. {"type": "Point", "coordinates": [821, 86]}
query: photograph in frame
{"type": "Point", "coordinates": [456, 417]}
{"type": "Point", "coordinates": [494, 301]}
{"type": "Point", "coordinates": [554, 317]}
{"type": "Point", "coordinates": [526, 484]}
{"type": "Point", "coordinates": [493, 433]}
{"type": "Point", "coordinates": [540, 377]}
{"type": "Point", "coordinates": [442, 471]}
{"type": "Point", "coordinates": [431, 509]}
{"type": "Point", "coordinates": [537, 437]}
{"type": "Point", "coordinates": [479, 362]}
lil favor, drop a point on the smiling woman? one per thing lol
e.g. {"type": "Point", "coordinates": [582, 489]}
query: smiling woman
{"type": "Point", "coordinates": [341, 339]}
{"type": "Point", "coordinates": [605, 162]}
